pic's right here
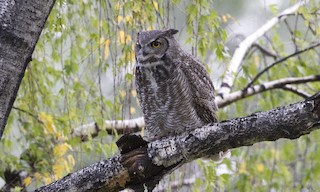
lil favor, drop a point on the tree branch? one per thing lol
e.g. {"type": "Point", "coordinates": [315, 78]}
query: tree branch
{"type": "Point", "coordinates": [240, 52]}
{"type": "Point", "coordinates": [26, 112]}
{"type": "Point", "coordinates": [280, 61]}
{"type": "Point", "coordinates": [111, 126]}
{"type": "Point", "coordinates": [142, 164]}
{"type": "Point", "coordinates": [296, 91]}
{"type": "Point", "coordinates": [265, 51]}
{"type": "Point", "coordinates": [277, 84]}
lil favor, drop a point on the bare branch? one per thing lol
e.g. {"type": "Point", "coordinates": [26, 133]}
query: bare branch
{"type": "Point", "coordinates": [265, 51]}
{"type": "Point", "coordinates": [280, 83]}
{"type": "Point", "coordinates": [32, 115]}
{"type": "Point", "coordinates": [141, 164]}
{"type": "Point", "coordinates": [240, 52]}
{"type": "Point", "coordinates": [111, 126]}
{"type": "Point", "coordinates": [280, 61]}
{"type": "Point", "coordinates": [27, 112]}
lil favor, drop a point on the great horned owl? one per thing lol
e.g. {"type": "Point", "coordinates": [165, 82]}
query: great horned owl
{"type": "Point", "coordinates": [174, 89]}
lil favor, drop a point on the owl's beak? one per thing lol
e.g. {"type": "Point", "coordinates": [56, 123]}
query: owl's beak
{"type": "Point", "coordinates": [144, 53]}
{"type": "Point", "coordinates": [141, 55]}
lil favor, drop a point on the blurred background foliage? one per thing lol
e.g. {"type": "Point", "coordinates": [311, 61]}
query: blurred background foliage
{"type": "Point", "coordinates": [82, 72]}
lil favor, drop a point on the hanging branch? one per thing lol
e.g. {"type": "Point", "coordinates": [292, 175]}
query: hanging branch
{"type": "Point", "coordinates": [240, 52]}
{"type": "Point", "coordinates": [141, 165]}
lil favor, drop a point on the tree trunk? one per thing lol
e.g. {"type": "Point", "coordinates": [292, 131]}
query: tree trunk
{"type": "Point", "coordinates": [21, 23]}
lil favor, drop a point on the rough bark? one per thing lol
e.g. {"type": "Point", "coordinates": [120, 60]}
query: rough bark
{"type": "Point", "coordinates": [142, 164]}
{"type": "Point", "coordinates": [21, 23]}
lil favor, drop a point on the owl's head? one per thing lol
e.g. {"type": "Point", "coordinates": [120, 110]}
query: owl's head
{"type": "Point", "coordinates": [154, 44]}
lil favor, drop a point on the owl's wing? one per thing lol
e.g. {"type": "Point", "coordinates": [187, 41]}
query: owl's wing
{"type": "Point", "coordinates": [202, 90]}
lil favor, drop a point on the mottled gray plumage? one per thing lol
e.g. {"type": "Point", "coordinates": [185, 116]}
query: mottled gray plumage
{"type": "Point", "coordinates": [174, 89]}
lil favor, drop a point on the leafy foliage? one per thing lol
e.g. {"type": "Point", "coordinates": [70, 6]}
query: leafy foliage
{"type": "Point", "coordinates": [82, 71]}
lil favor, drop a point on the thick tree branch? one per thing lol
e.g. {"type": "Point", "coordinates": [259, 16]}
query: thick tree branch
{"type": "Point", "coordinates": [141, 164]}
{"type": "Point", "coordinates": [240, 52]}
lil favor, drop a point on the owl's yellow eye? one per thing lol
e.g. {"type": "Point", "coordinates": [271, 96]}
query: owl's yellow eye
{"type": "Point", "coordinates": [155, 44]}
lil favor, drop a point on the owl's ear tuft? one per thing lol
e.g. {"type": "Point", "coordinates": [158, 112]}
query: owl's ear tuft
{"type": "Point", "coordinates": [173, 31]}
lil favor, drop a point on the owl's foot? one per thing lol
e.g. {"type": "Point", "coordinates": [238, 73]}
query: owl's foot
{"type": "Point", "coordinates": [129, 142]}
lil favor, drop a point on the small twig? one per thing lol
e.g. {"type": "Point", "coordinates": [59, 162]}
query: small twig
{"type": "Point", "coordinates": [301, 93]}
{"type": "Point", "coordinates": [265, 51]}
{"type": "Point", "coordinates": [27, 112]}
{"type": "Point", "coordinates": [33, 115]}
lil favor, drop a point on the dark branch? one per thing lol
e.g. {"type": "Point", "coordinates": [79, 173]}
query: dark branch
{"type": "Point", "coordinates": [26, 112]}
{"type": "Point", "coordinates": [265, 51]}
